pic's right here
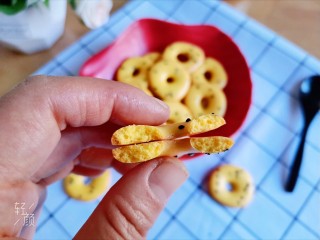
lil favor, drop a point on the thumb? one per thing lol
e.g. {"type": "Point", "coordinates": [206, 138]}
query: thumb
{"type": "Point", "coordinates": [131, 207]}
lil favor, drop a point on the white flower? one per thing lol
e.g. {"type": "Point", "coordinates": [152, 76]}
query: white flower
{"type": "Point", "coordinates": [93, 13]}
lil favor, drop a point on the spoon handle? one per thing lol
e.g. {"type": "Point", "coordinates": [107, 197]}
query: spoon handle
{"type": "Point", "coordinates": [294, 172]}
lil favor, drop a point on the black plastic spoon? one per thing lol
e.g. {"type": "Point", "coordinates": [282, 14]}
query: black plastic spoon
{"type": "Point", "coordinates": [310, 102]}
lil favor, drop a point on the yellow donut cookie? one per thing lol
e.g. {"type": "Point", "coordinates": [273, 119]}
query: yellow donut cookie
{"type": "Point", "coordinates": [186, 54]}
{"type": "Point", "coordinates": [76, 188]}
{"type": "Point", "coordinates": [140, 143]}
{"type": "Point", "coordinates": [134, 71]}
{"type": "Point", "coordinates": [231, 186]}
{"type": "Point", "coordinates": [133, 134]}
{"type": "Point", "coordinates": [211, 71]}
{"type": "Point", "coordinates": [178, 112]}
{"type": "Point", "coordinates": [169, 81]}
{"type": "Point", "coordinates": [178, 147]}
{"type": "Point", "coordinates": [204, 99]}
{"type": "Point", "coordinates": [152, 57]}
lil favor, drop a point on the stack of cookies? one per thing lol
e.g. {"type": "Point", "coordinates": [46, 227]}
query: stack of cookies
{"type": "Point", "coordinates": [182, 76]}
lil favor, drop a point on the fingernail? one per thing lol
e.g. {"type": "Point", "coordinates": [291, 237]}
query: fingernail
{"type": "Point", "coordinates": [161, 103]}
{"type": "Point", "coordinates": [166, 178]}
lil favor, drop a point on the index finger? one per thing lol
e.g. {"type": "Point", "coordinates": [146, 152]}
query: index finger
{"type": "Point", "coordinates": [82, 101]}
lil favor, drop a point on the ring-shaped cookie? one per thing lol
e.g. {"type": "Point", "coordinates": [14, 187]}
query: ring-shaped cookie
{"type": "Point", "coordinates": [169, 81]}
{"type": "Point", "coordinates": [178, 112]}
{"type": "Point", "coordinates": [212, 72]}
{"type": "Point", "coordinates": [204, 99]}
{"type": "Point", "coordinates": [75, 187]}
{"type": "Point", "coordinates": [139, 143]}
{"type": "Point", "coordinates": [152, 57]}
{"type": "Point", "coordinates": [231, 186]}
{"type": "Point", "coordinates": [134, 71]}
{"type": "Point", "coordinates": [185, 54]}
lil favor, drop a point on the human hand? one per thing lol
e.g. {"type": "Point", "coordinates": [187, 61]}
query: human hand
{"type": "Point", "coordinates": [46, 123]}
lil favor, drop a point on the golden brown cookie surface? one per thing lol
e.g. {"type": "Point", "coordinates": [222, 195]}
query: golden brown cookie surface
{"type": "Point", "coordinates": [133, 134]}
{"type": "Point", "coordinates": [177, 147]}
{"type": "Point", "coordinates": [203, 99]}
{"type": "Point", "coordinates": [178, 112]}
{"type": "Point", "coordinates": [231, 186]}
{"type": "Point", "coordinates": [141, 142]}
{"type": "Point", "coordinates": [188, 55]}
{"type": "Point", "coordinates": [76, 188]}
{"type": "Point", "coordinates": [169, 81]}
{"type": "Point", "coordinates": [171, 76]}
{"type": "Point", "coordinates": [210, 72]}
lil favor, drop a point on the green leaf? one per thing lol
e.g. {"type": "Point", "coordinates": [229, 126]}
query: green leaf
{"type": "Point", "coordinates": [16, 6]}
{"type": "Point", "coordinates": [73, 4]}
{"type": "Point", "coordinates": [46, 3]}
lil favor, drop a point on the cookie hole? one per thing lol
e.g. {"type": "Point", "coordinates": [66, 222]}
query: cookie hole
{"type": "Point", "coordinates": [87, 181]}
{"type": "Point", "coordinates": [136, 72]}
{"type": "Point", "coordinates": [183, 57]}
{"type": "Point", "coordinates": [205, 102]}
{"type": "Point", "coordinates": [208, 75]}
{"type": "Point", "coordinates": [230, 187]}
{"type": "Point", "coordinates": [170, 80]}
